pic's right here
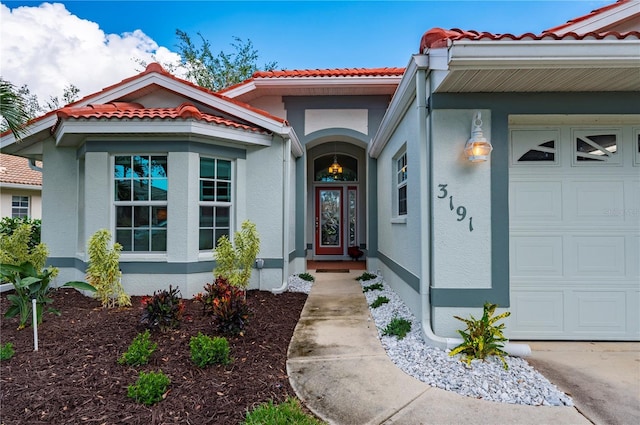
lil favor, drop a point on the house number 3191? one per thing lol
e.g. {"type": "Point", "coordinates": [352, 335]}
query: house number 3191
{"type": "Point", "coordinates": [461, 211]}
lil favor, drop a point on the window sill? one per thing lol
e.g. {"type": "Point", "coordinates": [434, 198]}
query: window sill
{"type": "Point", "coordinates": [399, 220]}
{"type": "Point", "coordinates": [126, 257]}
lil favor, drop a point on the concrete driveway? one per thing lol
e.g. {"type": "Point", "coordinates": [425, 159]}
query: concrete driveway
{"type": "Point", "coordinates": [603, 378]}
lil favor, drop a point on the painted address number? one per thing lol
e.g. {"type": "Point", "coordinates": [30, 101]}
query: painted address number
{"type": "Point", "coordinates": [461, 211]}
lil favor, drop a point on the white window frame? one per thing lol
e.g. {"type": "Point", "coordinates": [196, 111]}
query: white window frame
{"type": "Point", "coordinates": [138, 203]}
{"type": "Point", "coordinates": [400, 178]}
{"type": "Point", "coordinates": [20, 210]}
{"type": "Point", "coordinates": [216, 203]}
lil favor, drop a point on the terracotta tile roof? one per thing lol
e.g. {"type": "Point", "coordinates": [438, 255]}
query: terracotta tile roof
{"type": "Point", "coordinates": [14, 169]}
{"type": "Point", "coordinates": [590, 15]}
{"type": "Point", "coordinates": [438, 37]}
{"type": "Point", "coordinates": [343, 72]}
{"type": "Point", "coordinates": [157, 68]}
{"type": "Point", "coordinates": [126, 110]}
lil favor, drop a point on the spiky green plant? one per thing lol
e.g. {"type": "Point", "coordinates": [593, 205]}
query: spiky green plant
{"type": "Point", "coordinates": [235, 263]}
{"type": "Point", "coordinates": [104, 272]}
{"type": "Point", "coordinates": [18, 247]}
{"type": "Point", "coordinates": [482, 338]}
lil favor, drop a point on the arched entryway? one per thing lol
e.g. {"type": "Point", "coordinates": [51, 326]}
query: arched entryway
{"type": "Point", "coordinates": [336, 200]}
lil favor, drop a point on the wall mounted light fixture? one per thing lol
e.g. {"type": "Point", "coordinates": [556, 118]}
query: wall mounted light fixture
{"type": "Point", "coordinates": [477, 148]}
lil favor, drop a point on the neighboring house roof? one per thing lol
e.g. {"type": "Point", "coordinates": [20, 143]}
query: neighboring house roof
{"type": "Point", "coordinates": [126, 110]}
{"type": "Point", "coordinates": [317, 82]}
{"type": "Point", "coordinates": [15, 170]}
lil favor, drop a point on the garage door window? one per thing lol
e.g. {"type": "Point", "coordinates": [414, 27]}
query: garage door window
{"type": "Point", "coordinates": [596, 147]}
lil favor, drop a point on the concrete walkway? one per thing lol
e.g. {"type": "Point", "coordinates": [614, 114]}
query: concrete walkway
{"type": "Point", "coordinates": [339, 369]}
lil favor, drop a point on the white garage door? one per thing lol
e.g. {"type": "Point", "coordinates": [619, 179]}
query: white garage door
{"type": "Point", "coordinates": [574, 212]}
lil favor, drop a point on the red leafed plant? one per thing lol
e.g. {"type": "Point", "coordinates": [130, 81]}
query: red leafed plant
{"type": "Point", "coordinates": [227, 304]}
{"type": "Point", "coordinates": [163, 310]}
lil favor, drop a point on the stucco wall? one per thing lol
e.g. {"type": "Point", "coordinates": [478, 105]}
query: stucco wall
{"type": "Point", "coordinates": [399, 236]}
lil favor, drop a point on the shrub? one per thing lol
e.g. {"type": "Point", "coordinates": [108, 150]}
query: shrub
{"type": "Point", "coordinates": [379, 301]}
{"type": "Point", "coordinates": [235, 263]}
{"type": "Point", "coordinates": [482, 337]}
{"type": "Point", "coordinates": [6, 351]}
{"type": "Point", "coordinates": [8, 225]}
{"type": "Point", "coordinates": [306, 276]}
{"type": "Point", "coordinates": [104, 272]}
{"type": "Point", "coordinates": [149, 388]}
{"type": "Point", "coordinates": [366, 276]}
{"type": "Point", "coordinates": [163, 310]}
{"type": "Point", "coordinates": [373, 287]}
{"type": "Point", "coordinates": [289, 412]}
{"type": "Point", "coordinates": [17, 246]}
{"type": "Point", "coordinates": [227, 304]}
{"type": "Point", "coordinates": [206, 350]}
{"type": "Point", "coordinates": [398, 327]}
{"type": "Point", "coordinates": [28, 284]}
{"type": "Point", "coordinates": [139, 351]}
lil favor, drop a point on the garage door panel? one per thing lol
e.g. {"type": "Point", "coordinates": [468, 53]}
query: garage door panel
{"type": "Point", "coordinates": [537, 200]}
{"type": "Point", "coordinates": [596, 256]}
{"type": "Point", "coordinates": [592, 200]}
{"type": "Point", "coordinates": [536, 310]}
{"type": "Point", "coordinates": [536, 255]}
{"type": "Point", "coordinates": [597, 311]}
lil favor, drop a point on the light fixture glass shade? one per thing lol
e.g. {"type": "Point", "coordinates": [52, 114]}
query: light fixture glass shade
{"type": "Point", "coordinates": [335, 168]}
{"type": "Point", "coordinates": [477, 148]}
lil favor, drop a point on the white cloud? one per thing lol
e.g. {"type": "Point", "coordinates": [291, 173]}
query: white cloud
{"type": "Point", "coordinates": [48, 48]}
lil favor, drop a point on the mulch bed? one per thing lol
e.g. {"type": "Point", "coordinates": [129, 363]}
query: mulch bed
{"type": "Point", "coordinates": [74, 377]}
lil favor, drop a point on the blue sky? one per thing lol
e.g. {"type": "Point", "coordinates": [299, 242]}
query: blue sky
{"type": "Point", "coordinates": [296, 35]}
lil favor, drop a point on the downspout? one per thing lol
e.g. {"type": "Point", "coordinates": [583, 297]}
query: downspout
{"type": "Point", "coordinates": [33, 166]}
{"type": "Point", "coordinates": [427, 269]}
{"type": "Point", "coordinates": [286, 159]}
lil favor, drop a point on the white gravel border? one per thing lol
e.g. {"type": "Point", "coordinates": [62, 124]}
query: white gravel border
{"type": "Point", "coordinates": [520, 384]}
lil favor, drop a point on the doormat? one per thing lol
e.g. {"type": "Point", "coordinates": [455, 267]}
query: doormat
{"type": "Point", "coordinates": [332, 270]}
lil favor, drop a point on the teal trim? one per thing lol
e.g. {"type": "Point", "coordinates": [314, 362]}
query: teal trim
{"type": "Point", "coordinates": [332, 133]}
{"type": "Point", "coordinates": [458, 297]}
{"type": "Point", "coordinates": [292, 255]}
{"type": "Point", "coordinates": [160, 146]}
{"type": "Point", "coordinates": [542, 103]}
{"type": "Point", "coordinates": [372, 204]}
{"type": "Point", "coordinates": [299, 206]}
{"type": "Point", "coordinates": [409, 278]}
{"type": "Point", "coordinates": [149, 267]}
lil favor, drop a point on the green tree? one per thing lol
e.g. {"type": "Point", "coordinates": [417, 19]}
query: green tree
{"type": "Point", "coordinates": [13, 109]}
{"type": "Point", "coordinates": [215, 71]}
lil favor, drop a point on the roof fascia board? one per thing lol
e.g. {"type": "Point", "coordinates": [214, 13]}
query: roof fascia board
{"type": "Point", "coordinates": [43, 125]}
{"type": "Point", "coordinates": [312, 82]}
{"type": "Point", "coordinates": [402, 98]}
{"type": "Point", "coordinates": [21, 186]}
{"type": "Point", "coordinates": [603, 19]}
{"type": "Point", "coordinates": [76, 128]}
{"type": "Point", "coordinates": [543, 53]}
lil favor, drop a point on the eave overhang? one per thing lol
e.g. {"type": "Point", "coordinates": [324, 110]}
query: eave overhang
{"type": "Point", "coordinates": [540, 65]}
{"type": "Point", "coordinates": [73, 132]}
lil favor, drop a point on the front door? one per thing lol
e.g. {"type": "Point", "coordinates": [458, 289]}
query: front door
{"type": "Point", "coordinates": [329, 222]}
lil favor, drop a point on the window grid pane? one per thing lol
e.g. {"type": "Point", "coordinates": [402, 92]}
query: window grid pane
{"type": "Point", "coordinates": [215, 201]}
{"type": "Point", "coordinates": [19, 206]}
{"type": "Point", "coordinates": [402, 184]}
{"type": "Point", "coordinates": [141, 184]}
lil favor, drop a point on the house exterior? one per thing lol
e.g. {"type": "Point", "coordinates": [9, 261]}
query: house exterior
{"type": "Point", "coordinates": [324, 160]}
{"type": "Point", "coordinates": [20, 187]}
